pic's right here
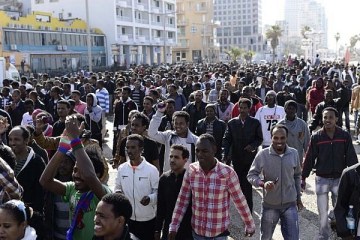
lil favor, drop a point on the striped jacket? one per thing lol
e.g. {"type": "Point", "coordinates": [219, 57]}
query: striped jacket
{"type": "Point", "coordinates": [102, 96]}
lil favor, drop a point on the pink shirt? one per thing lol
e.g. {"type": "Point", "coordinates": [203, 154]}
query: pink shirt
{"type": "Point", "coordinates": [80, 107]}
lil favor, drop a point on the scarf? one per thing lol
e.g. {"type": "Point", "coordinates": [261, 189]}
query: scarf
{"type": "Point", "coordinates": [81, 207]}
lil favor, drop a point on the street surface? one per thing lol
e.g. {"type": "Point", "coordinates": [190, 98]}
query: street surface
{"type": "Point", "coordinates": [308, 218]}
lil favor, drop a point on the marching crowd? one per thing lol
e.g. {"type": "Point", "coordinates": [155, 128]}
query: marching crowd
{"type": "Point", "coordinates": [187, 139]}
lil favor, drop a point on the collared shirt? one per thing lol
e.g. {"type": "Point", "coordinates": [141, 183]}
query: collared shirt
{"type": "Point", "coordinates": [9, 186]}
{"type": "Point", "coordinates": [211, 194]}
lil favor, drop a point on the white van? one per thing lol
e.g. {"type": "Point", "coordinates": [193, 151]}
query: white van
{"type": "Point", "coordinates": [8, 71]}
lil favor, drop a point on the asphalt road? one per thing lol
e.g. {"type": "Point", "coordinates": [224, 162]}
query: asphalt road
{"type": "Point", "coordinates": [308, 218]}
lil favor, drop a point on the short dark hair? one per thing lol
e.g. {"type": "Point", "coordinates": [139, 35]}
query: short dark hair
{"type": "Point", "coordinates": [170, 101]}
{"type": "Point", "coordinates": [184, 151]}
{"type": "Point", "coordinates": [181, 114]}
{"type": "Point", "coordinates": [77, 92]}
{"type": "Point", "coordinates": [144, 119]}
{"type": "Point", "coordinates": [25, 132]}
{"type": "Point", "coordinates": [279, 126]}
{"type": "Point", "coordinates": [150, 99]}
{"type": "Point", "coordinates": [65, 102]}
{"type": "Point", "coordinates": [208, 137]}
{"type": "Point", "coordinates": [56, 89]}
{"type": "Point", "coordinates": [121, 205]}
{"type": "Point", "coordinates": [246, 101]}
{"type": "Point", "coordinates": [126, 88]}
{"type": "Point", "coordinates": [29, 102]}
{"type": "Point", "coordinates": [331, 109]}
{"type": "Point", "coordinates": [136, 137]}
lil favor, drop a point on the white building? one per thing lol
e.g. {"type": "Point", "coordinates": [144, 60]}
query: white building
{"type": "Point", "coordinates": [300, 13]}
{"type": "Point", "coordinates": [137, 31]}
{"type": "Point", "coordinates": [241, 24]}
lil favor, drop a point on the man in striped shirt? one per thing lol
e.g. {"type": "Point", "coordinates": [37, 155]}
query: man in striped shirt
{"type": "Point", "coordinates": [210, 184]}
{"type": "Point", "coordinates": [102, 96]}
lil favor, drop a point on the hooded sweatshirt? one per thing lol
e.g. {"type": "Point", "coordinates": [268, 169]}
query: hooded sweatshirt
{"type": "Point", "coordinates": [93, 117]}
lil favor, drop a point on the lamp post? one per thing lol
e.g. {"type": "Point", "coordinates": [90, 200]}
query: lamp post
{"type": "Point", "coordinates": [164, 46]}
{"type": "Point", "coordinates": [88, 37]}
{"type": "Point", "coordinates": [337, 37]}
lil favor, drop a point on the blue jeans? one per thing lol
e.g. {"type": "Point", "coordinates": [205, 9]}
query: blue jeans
{"type": "Point", "coordinates": [323, 187]}
{"type": "Point", "coordinates": [198, 237]}
{"type": "Point", "coordinates": [288, 220]}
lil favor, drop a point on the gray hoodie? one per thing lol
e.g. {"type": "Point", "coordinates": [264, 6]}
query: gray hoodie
{"type": "Point", "coordinates": [272, 166]}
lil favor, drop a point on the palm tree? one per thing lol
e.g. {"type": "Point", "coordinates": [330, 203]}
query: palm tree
{"type": "Point", "coordinates": [248, 55]}
{"type": "Point", "coordinates": [273, 33]}
{"type": "Point", "coordinates": [234, 53]}
{"type": "Point", "coordinates": [353, 41]}
{"type": "Point", "coordinates": [304, 30]}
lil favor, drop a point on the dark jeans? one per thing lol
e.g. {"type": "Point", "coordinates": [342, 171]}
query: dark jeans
{"type": "Point", "coordinates": [246, 187]}
{"type": "Point", "coordinates": [346, 111]}
{"type": "Point", "coordinates": [143, 230]}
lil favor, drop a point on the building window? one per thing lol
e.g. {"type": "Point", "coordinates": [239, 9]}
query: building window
{"type": "Point", "coordinates": [157, 4]}
{"type": "Point", "coordinates": [123, 31]}
{"type": "Point", "coordinates": [193, 29]}
{"type": "Point", "coordinates": [170, 35]}
{"type": "Point", "coordinates": [158, 19]}
{"type": "Point", "coordinates": [69, 14]}
{"type": "Point", "coordinates": [158, 33]}
{"type": "Point", "coordinates": [170, 7]}
{"type": "Point", "coordinates": [39, 1]}
{"type": "Point", "coordinates": [183, 55]}
{"type": "Point", "coordinates": [247, 30]}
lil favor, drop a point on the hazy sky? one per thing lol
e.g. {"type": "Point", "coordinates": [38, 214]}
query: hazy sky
{"type": "Point", "coordinates": [342, 17]}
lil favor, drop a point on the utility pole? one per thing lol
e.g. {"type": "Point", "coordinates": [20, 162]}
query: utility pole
{"type": "Point", "coordinates": [88, 35]}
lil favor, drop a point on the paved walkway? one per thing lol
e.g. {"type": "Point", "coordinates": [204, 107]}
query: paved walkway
{"type": "Point", "coordinates": [308, 219]}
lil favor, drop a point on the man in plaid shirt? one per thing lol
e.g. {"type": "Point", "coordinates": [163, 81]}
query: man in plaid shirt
{"type": "Point", "coordinates": [210, 184]}
{"type": "Point", "coordinates": [9, 186]}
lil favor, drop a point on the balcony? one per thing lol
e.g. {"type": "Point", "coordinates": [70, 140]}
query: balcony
{"type": "Point", "coordinates": [182, 46]}
{"type": "Point", "coordinates": [141, 7]}
{"type": "Point", "coordinates": [142, 39]}
{"type": "Point", "coordinates": [124, 18]}
{"type": "Point", "coordinates": [125, 38]}
{"type": "Point", "coordinates": [182, 23]}
{"type": "Point", "coordinates": [142, 21]}
{"type": "Point", "coordinates": [155, 10]}
{"type": "Point", "coordinates": [170, 25]}
{"type": "Point", "coordinates": [124, 3]}
{"type": "Point", "coordinates": [157, 24]}
{"type": "Point", "coordinates": [156, 41]}
{"type": "Point", "coordinates": [170, 41]}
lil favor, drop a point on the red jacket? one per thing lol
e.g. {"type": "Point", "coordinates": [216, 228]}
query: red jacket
{"type": "Point", "coordinates": [315, 97]}
{"type": "Point", "coordinates": [256, 105]}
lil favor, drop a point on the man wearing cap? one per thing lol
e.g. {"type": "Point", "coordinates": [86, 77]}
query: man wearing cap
{"type": "Point", "coordinates": [298, 134]}
{"type": "Point", "coordinates": [269, 115]}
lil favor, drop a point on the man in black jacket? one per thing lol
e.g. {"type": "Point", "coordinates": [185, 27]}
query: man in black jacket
{"type": "Point", "coordinates": [212, 125]}
{"type": "Point", "coordinates": [196, 110]}
{"type": "Point", "coordinates": [169, 187]}
{"type": "Point", "coordinates": [349, 194]}
{"type": "Point", "coordinates": [330, 151]}
{"type": "Point", "coordinates": [243, 136]}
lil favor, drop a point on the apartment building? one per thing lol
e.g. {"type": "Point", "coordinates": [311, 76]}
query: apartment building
{"type": "Point", "coordinates": [196, 32]}
{"type": "Point", "coordinates": [241, 25]}
{"type": "Point", "coordinates": [137, 31]}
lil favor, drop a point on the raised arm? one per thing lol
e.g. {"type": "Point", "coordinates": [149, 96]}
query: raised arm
{"type": "Point", "coordinates": [83, 162]}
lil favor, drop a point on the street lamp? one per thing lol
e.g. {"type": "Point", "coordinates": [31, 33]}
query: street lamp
{"type": "Point", "coordinates": [337, 37]}
{"type": "Point", "coordinates": [88, 37]}
{"type": "Point", "coordinates": [165, 15]}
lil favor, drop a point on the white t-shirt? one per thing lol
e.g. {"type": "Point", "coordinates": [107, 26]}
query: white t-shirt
{"type": "Point", "coordinates": [27, 120]}
{"type": "Point", "coordinates": [269, 117]}
{"type": "Point", "coordinates": [188, 146]}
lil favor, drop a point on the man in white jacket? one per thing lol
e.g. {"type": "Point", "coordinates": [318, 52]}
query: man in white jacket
{"type": "Point", "coordinates": [181, 134]}
{"type": "Point", "coordinates": [138, 180]}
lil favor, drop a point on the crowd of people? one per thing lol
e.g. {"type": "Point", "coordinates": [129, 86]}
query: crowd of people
{"type": "Point", "coordinates": [187, 139]}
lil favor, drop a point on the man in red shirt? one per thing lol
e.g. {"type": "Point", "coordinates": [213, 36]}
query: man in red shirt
{"type": "Point", "coordinates": [210, 184]}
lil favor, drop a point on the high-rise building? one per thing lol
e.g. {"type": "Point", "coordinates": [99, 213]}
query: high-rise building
{"type": "Point", "coordinates": [196, 32]}
{"type": "Point", "coordinates": [137, 31]}
{"type": "Point", "coordinates": [241, 24]}
{"type": "Point", "coordinates": [301, 13]}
